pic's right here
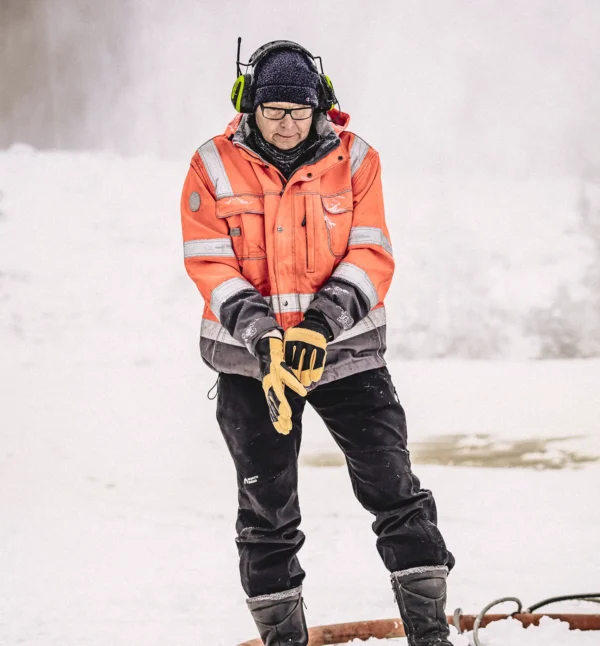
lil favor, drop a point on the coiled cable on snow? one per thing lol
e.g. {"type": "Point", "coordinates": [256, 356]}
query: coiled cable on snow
{"type": "Point", "coordinates": [594, 597]}
{"type": "Point", "coordinates": [482, 614]}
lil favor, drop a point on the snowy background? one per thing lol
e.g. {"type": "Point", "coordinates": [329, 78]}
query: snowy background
{"type": "Point", "coordinates": [485, 114]}
{"type": "Point", "coordinates": [117, 497]}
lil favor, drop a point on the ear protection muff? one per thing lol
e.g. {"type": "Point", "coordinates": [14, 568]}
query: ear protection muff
{"type": "Point", "coordinates": [242, 93]}
{"type": "Point", "coordinates": [328, 97]}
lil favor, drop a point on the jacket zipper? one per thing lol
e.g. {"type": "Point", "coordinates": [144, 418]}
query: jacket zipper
{"type": "Point", "coordinates": [309, 228]}
{"type": "Point", "coordinates": [264, 161]}
{"type": "Point", "coordinates": [303, 224]}
{"type": "Point", "coordinates": [315, 160]}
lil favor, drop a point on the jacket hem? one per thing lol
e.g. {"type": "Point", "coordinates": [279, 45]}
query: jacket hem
{"type": "Point", "coordinates": [341, 370]}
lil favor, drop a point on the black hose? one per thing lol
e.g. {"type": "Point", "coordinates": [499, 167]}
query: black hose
{"type": "Point", "coordinates": [594, 597]}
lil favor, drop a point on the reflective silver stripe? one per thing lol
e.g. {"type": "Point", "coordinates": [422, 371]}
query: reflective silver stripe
{"type": "Point", "coordinates": [358, 152]}
{"type": "Point", "coordinates": [369, 235]}
{"type": "Point", "coordinates": [213, 163]}
{"type": "Point", "coordinates": [283, 303]}
{"type": "Point", "coordinates": [225, 291]}
{"type": "Point", "coordinates": [216, 332]}
{"type": "Point", "coordinates": [280, 303]}
{"type": "Point", "coordinates": [213, 247]}
{"type": "Point", "coordinates": [359, 278]}
{"type": "Point", "coordinates": [376, 318]}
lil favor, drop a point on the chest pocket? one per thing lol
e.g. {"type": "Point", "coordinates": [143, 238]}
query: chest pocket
{"type": "Point", "coordinates": [245, 217]}
{"type": "Point", "coordinates": [337, 212]}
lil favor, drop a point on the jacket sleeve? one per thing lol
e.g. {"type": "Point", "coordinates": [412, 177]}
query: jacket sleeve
{"type": "Point", "coordinates": [211, 263]}
{"type": "Point", "coordinates": [362, 279]}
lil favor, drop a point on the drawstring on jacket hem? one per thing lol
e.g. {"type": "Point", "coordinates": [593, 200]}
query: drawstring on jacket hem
{"type": "Point", "coordinates": [215, 388]}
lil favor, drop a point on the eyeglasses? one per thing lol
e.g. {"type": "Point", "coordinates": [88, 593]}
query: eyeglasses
{"type": "Point", "coordinates": [277, 114]}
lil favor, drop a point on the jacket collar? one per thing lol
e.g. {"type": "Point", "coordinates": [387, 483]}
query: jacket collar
{"type": "Point", "coordinates": [238, 131]}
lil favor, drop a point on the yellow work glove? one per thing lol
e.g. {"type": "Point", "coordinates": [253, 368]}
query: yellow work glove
{"type": "Point", "coordinates": [275, 377]}
{"type": "Point", "coordinates": [306, 348]}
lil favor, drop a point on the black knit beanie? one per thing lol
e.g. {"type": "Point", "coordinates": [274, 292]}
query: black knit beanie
{"type": "Point", "coordinates": [286, 75]}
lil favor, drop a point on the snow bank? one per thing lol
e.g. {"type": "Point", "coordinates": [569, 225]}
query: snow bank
{"type": "Point", "coordinates": [477, 259]}
{"type": "Point", "coordinates": [117, 495]}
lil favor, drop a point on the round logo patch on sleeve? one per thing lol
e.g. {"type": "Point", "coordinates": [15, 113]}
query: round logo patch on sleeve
{"type": "Point", "coordinates": [194, 201]}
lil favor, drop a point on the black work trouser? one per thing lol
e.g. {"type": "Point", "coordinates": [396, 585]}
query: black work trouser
{"type": "Point", "coordinates": [369, 425]}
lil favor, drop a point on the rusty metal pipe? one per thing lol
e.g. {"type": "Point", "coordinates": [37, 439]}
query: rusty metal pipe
{"type": "Point", "coordinates": [575, 621]}
{"type": "Point", "coordinates": [389, 628]}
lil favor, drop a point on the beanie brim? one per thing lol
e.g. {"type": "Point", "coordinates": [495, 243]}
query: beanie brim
{"type": "Point", "coordinates": [286, 93]}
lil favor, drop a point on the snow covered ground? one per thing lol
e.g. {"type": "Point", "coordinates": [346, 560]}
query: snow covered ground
{"type": "Point", "coordinates": [117, 497]}
{"type": "Point", "coordinates": [510, 632]}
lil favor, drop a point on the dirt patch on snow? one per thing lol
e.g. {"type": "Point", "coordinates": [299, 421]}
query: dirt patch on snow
{"type": "Point", "coordinates": [480, 450]}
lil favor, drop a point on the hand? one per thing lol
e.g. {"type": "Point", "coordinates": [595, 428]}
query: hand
{"type": "Point", "coordinates": [276, 376]}
{"type": "Point", "coordinates": [306, 348]}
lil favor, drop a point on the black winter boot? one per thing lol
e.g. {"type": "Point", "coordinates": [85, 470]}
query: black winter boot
{"type": "Point", "coordinates": [279, 618]}
{"type": "Point", "coordinates": [421, 596]}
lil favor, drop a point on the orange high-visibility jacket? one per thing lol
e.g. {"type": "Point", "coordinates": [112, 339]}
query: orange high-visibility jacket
{"type": "Point", "coordinates": [263, 250]}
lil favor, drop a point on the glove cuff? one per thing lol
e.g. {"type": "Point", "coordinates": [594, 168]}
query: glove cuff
{"type": "Point", "coordinates": [315, 320]}
{"type": "Point", "coordinates": [264, 348]}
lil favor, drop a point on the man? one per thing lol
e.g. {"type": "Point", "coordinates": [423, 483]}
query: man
{"type": "Point", "coordinates": [285, 237]}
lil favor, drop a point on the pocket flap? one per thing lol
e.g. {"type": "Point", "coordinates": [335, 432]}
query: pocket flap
{"type": "Point", "coordinates": [242, 203]}
{"type": "Point", "coordinates": [339, 203]}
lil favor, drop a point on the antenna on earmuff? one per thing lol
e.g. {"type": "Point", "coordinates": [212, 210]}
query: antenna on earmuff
{"type": "Point", "coordinates": [320, 63]}
{"type": "Point", "coordinates": [237, 61]}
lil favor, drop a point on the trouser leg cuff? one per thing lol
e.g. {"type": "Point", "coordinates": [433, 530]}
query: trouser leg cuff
{"type": "Point", "coordinates": [433, 569]}
{"type": "Point", "coordinates": [275, 596]}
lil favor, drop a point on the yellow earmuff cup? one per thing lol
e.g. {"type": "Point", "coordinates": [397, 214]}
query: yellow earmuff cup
{"type": "Point", "coordinates": [237, 91]}
{"type": "Point", "coordinates": [331, 86]}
